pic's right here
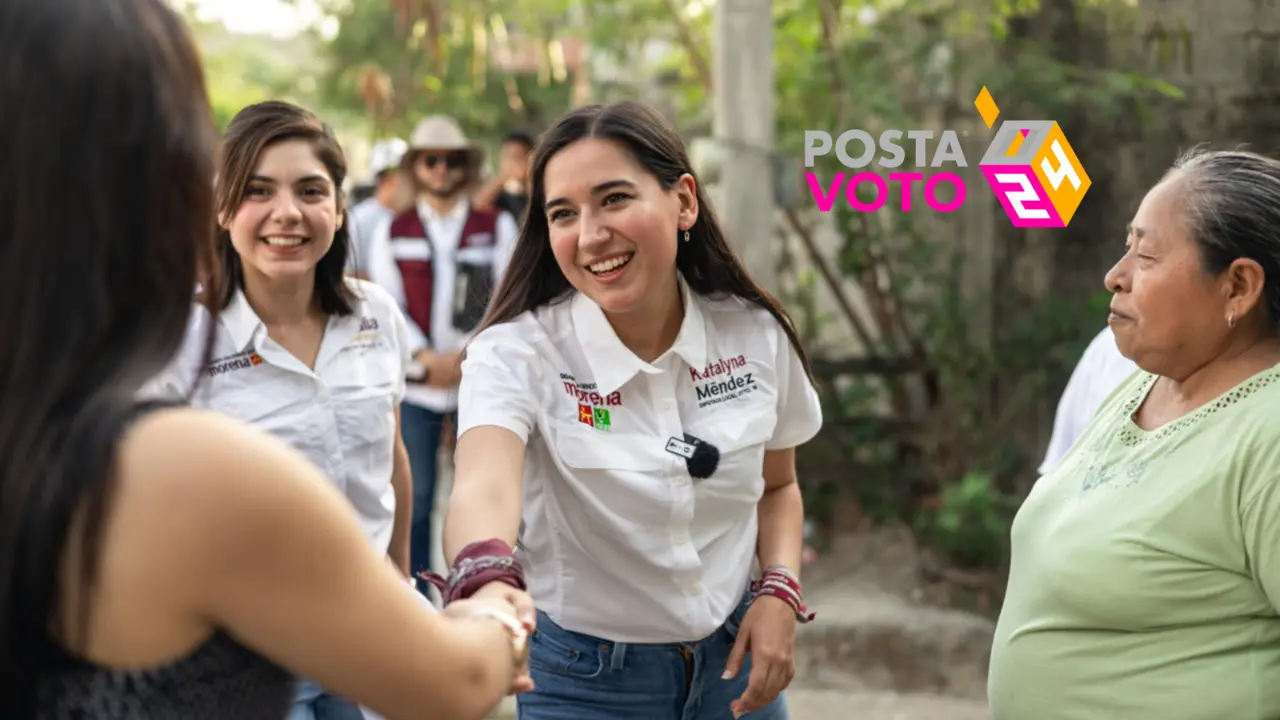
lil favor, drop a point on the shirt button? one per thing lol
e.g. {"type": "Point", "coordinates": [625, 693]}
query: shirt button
{"type": "Point", "coordinates": [323, 395]}
{"type": "Point", "coordinates": [335, 459]}
{"type": "Point", "coordinates": [694, 589]}
{"type": "Point", "coordinates": [682, 538]}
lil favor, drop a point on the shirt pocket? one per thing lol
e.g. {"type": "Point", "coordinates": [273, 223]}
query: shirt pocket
{"type": "Point", "coordinates": [740, 437]}
{"type": "Point", "coordinates": [581, 447]}
{"type": "Point", "coordinates": [364, 393]}
{"type": "Point", "coordinates": [619, 483]}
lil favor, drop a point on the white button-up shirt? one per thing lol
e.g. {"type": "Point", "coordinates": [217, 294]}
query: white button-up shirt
{"type": "Point", "coordinates": [362, 223]}
{"type": "Point", "coordinates": [444, 232]}
{"type": "Point", "coordinates": [341, 415]}
{"type": "Point", "coordinates": [618, 540]}
{"type": "Point", "coordinates": [1100, 371]}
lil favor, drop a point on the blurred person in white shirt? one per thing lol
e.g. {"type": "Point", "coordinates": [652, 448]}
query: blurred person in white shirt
{"type": "Point", "coordinates": [387, 199]}
{"type": "Point", "coordinates": [440, 259]}
{"type": "Point", "coordinates": [1100, 371]}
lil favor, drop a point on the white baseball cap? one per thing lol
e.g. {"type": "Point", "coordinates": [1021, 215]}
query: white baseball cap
{"type": "Point", "coordinates": [386, 155]}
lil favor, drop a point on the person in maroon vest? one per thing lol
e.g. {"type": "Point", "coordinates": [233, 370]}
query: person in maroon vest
{"type": "Point", "coordinates": [441, 260]}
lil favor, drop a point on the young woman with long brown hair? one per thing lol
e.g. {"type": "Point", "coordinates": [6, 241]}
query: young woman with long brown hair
{"type": "Point", "coordinates": [628, 416]}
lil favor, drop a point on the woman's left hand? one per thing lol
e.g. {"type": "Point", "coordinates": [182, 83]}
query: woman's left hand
{"type": "Point", "coordinates": [768, 632]}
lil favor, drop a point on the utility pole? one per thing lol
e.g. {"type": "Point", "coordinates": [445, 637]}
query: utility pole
{"type": "Point", "coordinates": [744, 122]}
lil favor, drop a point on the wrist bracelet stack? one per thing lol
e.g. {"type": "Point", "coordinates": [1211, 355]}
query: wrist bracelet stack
{"type": "Point", "coordinates": [779, 582]}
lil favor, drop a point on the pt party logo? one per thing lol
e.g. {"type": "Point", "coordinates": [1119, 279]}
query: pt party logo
{"type": "Point", "coordinates": [1029, 165]}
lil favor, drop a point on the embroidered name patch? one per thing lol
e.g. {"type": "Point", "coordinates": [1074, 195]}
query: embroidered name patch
{"type": "Point", "coordinates": [722, 380]}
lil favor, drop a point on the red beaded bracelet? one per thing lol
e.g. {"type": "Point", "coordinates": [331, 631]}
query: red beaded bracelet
{"type": "Point", "coordinates": [779, 582]}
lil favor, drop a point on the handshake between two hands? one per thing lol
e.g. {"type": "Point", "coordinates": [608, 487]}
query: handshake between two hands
{"type": "Point", "coordinates": [501, 601]}
{"type": "Point", "coordinates": [767, 632]}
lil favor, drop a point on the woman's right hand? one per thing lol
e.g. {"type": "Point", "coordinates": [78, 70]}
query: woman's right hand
{"type": "Point", "coordinates": [517, 598]}
{"type": "Point", "coordinates": [509, 602]}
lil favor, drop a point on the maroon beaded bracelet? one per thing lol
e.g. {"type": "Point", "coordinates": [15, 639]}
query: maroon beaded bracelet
{"type": "Point", "coordinates": [779, 582]}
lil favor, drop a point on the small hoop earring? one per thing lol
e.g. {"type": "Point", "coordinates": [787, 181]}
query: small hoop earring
{"type": "Point", "coordinates": [1231, 320]}
{"type": "Point", "coordinates": [686, 236]}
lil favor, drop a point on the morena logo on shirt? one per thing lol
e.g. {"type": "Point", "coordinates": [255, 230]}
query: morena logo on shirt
{"type": "Point", "coordinates": [231, 363]}
{"type": "Point", "coordinates": [585, 393]}
{"type": "Point", "coordinates": [596, 417]}
{"type": "Point", "coordinates": [368, 323]}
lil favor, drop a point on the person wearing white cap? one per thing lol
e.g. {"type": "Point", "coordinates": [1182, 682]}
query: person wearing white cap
{"type": "Point", "coordinates": [367, 215]}
{"type": "Point", "coordinates": [441, 260]}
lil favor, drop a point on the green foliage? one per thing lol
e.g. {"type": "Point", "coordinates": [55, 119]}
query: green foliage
{"type": "Point", "coordinates": [971, 521]}
{"type": "Point", "coordinates": [466, 81]}
{"type": "Point", "coordinates": [957, 476]}
{"type": "Point", "coordinates": [241, 70]}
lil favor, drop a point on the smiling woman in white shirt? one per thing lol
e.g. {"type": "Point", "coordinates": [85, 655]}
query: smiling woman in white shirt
{"type": "Point", "coordinates": [298, 350]}
{"type": "Point", "coordinates": [644, 397]}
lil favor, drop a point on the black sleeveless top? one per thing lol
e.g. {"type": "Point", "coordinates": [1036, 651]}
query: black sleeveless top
{"type": "Point", "coordinates": [220, 680]}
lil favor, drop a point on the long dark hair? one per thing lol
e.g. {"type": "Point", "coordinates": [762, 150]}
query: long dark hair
{"type": "Point", "coordinates": [107, 143]}
{"type": "Point", "coordinates": [250, 132]}
{"type": "Point", "coordinates": [707, 263]}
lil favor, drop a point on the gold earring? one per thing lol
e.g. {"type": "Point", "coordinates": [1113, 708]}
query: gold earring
{"type": "Point", "coordinates": [1231, 319]}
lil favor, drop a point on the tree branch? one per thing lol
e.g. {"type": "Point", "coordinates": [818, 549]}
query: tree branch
{"type": "Point", "coordinates": [829, 276]}
{"type": "Point", "coordinates": [701, 67]}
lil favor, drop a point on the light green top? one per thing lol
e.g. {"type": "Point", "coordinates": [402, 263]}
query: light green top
{"type": "Point", "coordinates": [1145, 572]}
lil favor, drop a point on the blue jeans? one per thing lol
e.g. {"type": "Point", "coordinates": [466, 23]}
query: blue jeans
{"type": "Point", "coordinates": [421, 430]}
{"type": "Point", "coordinates": [313, 703]}
{"type": "Point", "coordinates": [579, 677]}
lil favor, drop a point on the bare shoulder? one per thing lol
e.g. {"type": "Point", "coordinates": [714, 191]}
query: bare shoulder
{"type": "Point", "coordinates": [207, 469]}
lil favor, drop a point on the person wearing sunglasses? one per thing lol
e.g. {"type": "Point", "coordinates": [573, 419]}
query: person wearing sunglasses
{"type": "Point", "coordinates": [440, 259]}
{"type": "Point", "coordinates": [628, 417]}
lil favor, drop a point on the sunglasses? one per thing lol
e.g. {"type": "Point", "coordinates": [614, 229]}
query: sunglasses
{"type": "Point", "coordinates": [453, 161]}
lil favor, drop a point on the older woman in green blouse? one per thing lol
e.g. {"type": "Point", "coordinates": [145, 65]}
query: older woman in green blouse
{"type": "Point", "coordinates": [1145, 575]}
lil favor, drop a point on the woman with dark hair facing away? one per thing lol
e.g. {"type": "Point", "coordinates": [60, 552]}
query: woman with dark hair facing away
{"type": "Point", "coordinates": [628, 419]}
{"type": "Point", "coordinates": [299, 350]}
{"type": "Point", "coordinates": [1144, 578]}
{"type": "Point", "coordinates": [162, 562]}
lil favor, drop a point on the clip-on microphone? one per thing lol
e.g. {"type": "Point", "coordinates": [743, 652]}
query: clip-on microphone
{"type": "Point", "coordinates": [700, 457]}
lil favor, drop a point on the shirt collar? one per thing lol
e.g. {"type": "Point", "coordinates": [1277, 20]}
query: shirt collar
{"type": "Point", "coordinates": [241, 321]}
{"type": "Point", "coordinates": [458, 213]}
{"type": "Point", "coordinates": [243, 325]}
{"type": "Point", "coordinates": [611, 363]}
